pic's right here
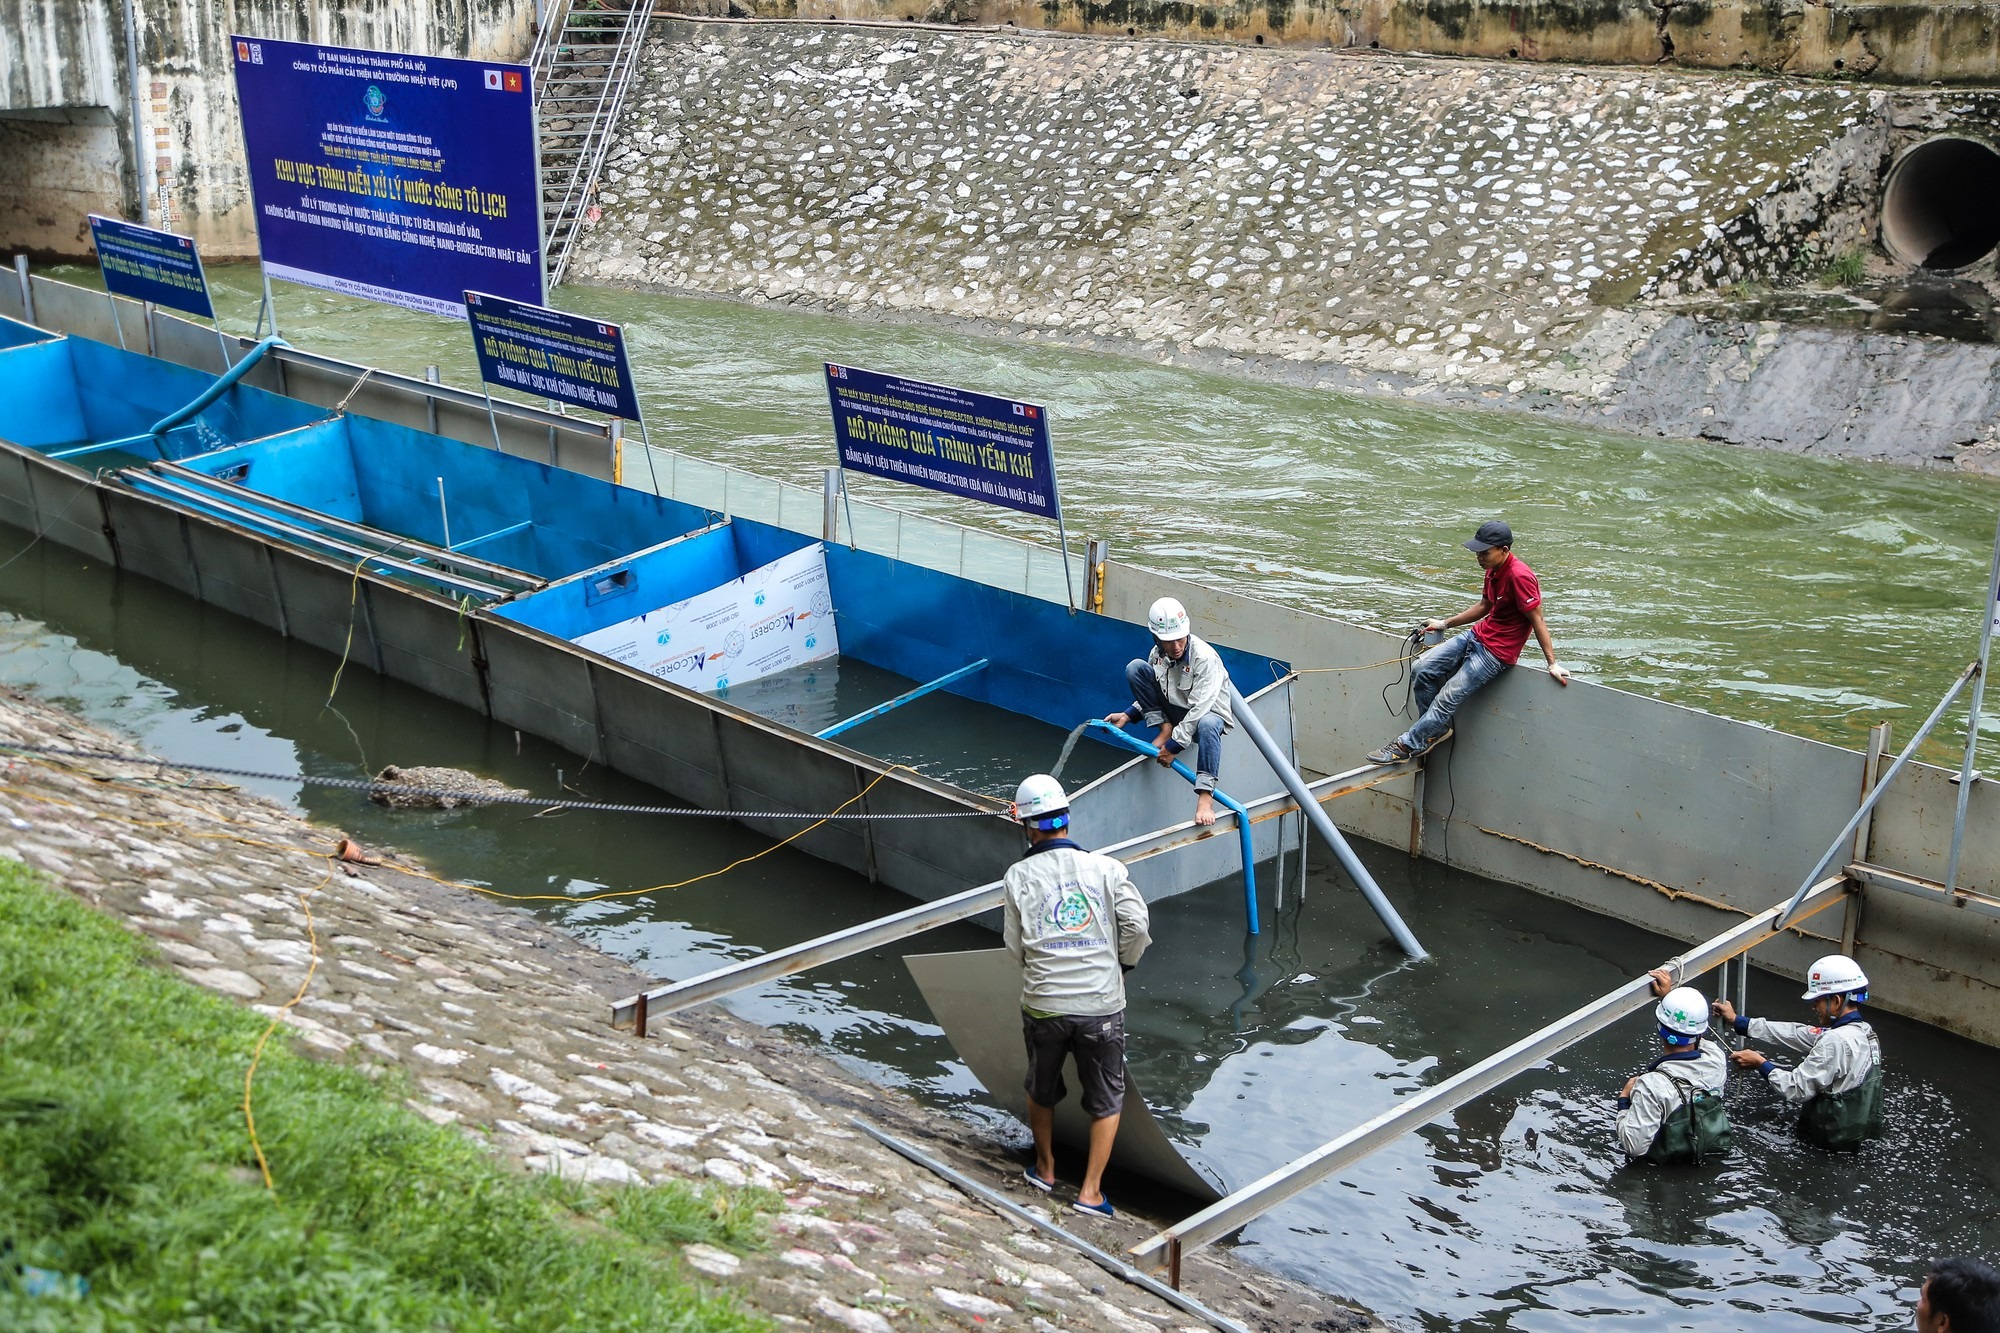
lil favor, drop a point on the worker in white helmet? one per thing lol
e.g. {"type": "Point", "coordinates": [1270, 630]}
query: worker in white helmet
{"type": "Point", "coordinates": [1840, 1080]}
{"type": "Point", "coordinates": [1671, 1111]}
{"type": "Point", "coordinates": [1076, 925]}
{"type": "Point", "coordinates": [1182, 689]}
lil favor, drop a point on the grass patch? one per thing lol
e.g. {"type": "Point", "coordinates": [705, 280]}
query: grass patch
{"type": "Point", "coordinates": [123, 1158]}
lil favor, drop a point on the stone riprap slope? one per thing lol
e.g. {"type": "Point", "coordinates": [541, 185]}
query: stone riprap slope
{"type": "Point", "coordinates": [499, 1026]}
{"type": "Point", "coordinates": [1446, 221]}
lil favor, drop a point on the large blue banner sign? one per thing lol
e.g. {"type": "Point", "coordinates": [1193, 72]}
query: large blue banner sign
{"type": "Point", "coordinates": [951, 440]}
{"type": "Point", "coordinates": [149, 265]}
{"type": "Point", "coordinates": [552, 354]}
{"type": "Point", "coordinates": [406, 179]}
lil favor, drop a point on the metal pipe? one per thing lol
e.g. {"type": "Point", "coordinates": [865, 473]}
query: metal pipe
{"type": "Point", "coordinates": [1254, 1200]}
{"type": "Point", "coordinates": [223, 384]}
{"type": "Point", "coordinates": [1882, 787]}
{"type": "Point", "coordinates": [1228, 802]}
{"type": "Point", "coordinates": [829, 505]}
{"type": "Point", "coordinates": [1111, 1264]}
{"type": "Point", "coordinates": [808, 954]}
{"type": "Point", "coordinates": [27, 289]}
{"type": "Point", "coordinates": [1253, 726]}
{"type": "Point", "coordinates": [1965, 773]}
{"type": "Point", "coordinates": [848, 724]}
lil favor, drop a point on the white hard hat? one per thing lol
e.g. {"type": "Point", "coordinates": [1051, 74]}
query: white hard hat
{"type": "Point", "coordinates": [1038, 796]}
{"type": "Point", "coordinates": [1684, 1010]}
{"type": "Point", "coordinates": [1168, 619]}
{"type": "Point", "coordinates": [1835, 974]}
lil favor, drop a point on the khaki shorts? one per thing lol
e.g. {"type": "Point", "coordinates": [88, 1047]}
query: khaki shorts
{"type": "Point", "coordinates": [1098, 1043]}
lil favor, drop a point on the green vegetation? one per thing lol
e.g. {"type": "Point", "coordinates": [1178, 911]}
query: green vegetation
{"type": "Point", "coordinates": [1845, 269]}
{"type": "Point", "coordinates": [124, 1159]}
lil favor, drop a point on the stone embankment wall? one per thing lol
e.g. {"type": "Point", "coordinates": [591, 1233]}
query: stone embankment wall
{"type": "Point", "coordinates": [139, 101]}
{"type": "Point", "coordinates": [498, 1025]}
{"type": "Point", "coordinates": [1437, 222]}
{"type": "Point", "coordinates": [1897, 41]}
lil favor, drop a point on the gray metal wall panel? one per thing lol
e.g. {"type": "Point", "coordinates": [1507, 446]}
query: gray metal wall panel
{"type": "Point", "coordinates": [1911, 831]}
{"type": "Point", "coordinates": [664, 737]}
{"type": "Point", "coordinates": [322, 605]}
{"type": "Point", "coordinates": [187, 344]}
{"type": "Point", "coordinates": [150, 539]}
{"type": "Point", "coordinates": [426, 640]}
{"type": "Point", "coordinates": [541, 685]}
{"type": "Point", "coordinates": [54, 500]}
{"type": "Point", "coordinates": [17, 489]}
{"type": "Point", "coordinates": [10, 299]}
{"type": "Point", "coordinates": [234, 570]}
{"type": "Point", "coordinates": [81, 311]}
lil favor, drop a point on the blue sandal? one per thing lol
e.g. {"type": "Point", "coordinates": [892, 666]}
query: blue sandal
{"type": "Point", "coordinates": [1043, 1185]}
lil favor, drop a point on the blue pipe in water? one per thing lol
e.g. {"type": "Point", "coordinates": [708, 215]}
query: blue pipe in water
{"type": "Point", "coordinates": [223, 384]}
{"type": "Point", "coordinates": [1121, 737]}
{"type": "Point", "coordinates": [901, 699]}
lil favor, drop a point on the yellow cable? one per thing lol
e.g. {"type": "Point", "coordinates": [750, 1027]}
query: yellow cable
{"type": "Point", "coordinates": [1365, 666]}
{"type": "Point", "coordinates": [257, 1054]}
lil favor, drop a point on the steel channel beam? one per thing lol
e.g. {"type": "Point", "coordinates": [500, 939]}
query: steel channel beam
{"type": "Point", "coordinates": [1254, 1200]}
{"type": "Point", "coordinates": [962, 906]}
{"type": "Point", "coordinates": [1880, 877]}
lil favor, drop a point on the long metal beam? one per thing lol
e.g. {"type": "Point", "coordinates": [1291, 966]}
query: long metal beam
{"type": "Point", "coordinates": [1881, 877]}
{"type": "Point", "coordinates": [1253, 726]}
{"type": "Point", "coordinates": [1254, 1200]}
{"type": "Point", "coordinates": [802, 957]}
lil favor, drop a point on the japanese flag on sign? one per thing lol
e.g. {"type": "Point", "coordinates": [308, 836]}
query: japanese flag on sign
{"type": "Point", "coordinates": [493, 80]}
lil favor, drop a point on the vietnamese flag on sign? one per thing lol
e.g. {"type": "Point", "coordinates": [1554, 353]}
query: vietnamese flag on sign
{"type": "Point", "coordinates": [513, 78]}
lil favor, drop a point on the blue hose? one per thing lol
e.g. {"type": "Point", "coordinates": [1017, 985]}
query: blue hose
{"type": "Point", "coordinates": [1125, 739]}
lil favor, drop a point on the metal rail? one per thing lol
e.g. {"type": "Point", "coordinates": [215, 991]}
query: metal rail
{"type": "Point", "coordinates": [907, 696]}
{"type": "Point", "coordinates": [1253, 726]}
{"type": "Point", "coordinates": [256, 500]}
{"type": "Point", "coordinates": [802, 957]}
{"type": "Point", "coordinates": [621, 32]}
{"type": "Point", "coordinates": [1166, 1249]}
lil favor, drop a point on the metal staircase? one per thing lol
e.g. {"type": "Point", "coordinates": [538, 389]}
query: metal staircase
{"type": "Point", "coordinates": [583, 62]}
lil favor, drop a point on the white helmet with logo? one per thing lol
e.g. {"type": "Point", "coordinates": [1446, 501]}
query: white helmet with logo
{"type": "Point", "coordinates": [1684, 1010]}
{"type": "Point", "coordinates": [1168, 620]}
{"type": "Point", "coordinates": [1835, 974]}
{"type": "Point", "coordinates": [1040, 797]}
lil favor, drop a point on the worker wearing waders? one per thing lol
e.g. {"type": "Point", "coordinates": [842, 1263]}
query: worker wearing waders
{"type": "Point", "coordinates": [1076, 925]}
{"type": "Point", "coordinates": [1509, 609]}
{"type": "Point", "coordinates": [1840, 1079]}
{"type": "Point", "coordinates": [1182, 688]}
{"type": "Point", "coordinates": [1671, 1112]}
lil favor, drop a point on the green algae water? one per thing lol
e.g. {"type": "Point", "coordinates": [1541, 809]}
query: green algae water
{"type": "Point", "coordinates": [1820, 597]}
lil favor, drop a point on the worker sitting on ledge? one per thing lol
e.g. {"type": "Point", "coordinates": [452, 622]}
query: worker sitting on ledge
{"type": "Point", "coordinates": [1075, 924]}
{"type": "Point", "coordinates": [1181, 688]}
{"type": "Point", "coordinates": [1671, 1112]}
{"type": "Point", "coordinates": [1509, 609]}
{"type": "Point", "coordinates": [1840, 1080]}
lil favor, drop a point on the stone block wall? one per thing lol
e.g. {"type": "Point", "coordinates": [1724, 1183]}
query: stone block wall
{"type": "Point", "coordinates": [1895, 41]}
{"type": "Point", "coordinates": [1452, 222]}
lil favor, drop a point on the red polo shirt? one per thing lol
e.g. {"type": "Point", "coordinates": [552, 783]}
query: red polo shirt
{"type": "Point", "coordinates": [1511, 591]}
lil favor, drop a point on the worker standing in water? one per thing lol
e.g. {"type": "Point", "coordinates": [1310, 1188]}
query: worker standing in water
{"type": "Point", "coordinates": [1840, 1080]}
{"type": "Point", "coordinates": [1073, 921]}
{"type": "Point", "coordinates": [1181, 688]}
{"type": "Point", "coordinates": [1509, 609]}
{"type": "Point", "coordinates": [1671, 1112]}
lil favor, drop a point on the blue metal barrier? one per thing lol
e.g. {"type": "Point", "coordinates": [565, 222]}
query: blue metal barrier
{"type": "Point", "coordinates": [1126, 740]}
{"type": "Point", "coordinates": [223, 384]}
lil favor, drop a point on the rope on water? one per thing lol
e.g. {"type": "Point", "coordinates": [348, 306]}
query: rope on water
{"type": "Point", "coordinates": [482, 798]}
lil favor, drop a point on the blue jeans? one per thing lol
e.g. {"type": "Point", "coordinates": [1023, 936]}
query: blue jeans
{"type": "Point", "coordinates": [1155, 711]}
{"type": "Point", "coordinates": [1444, 678]}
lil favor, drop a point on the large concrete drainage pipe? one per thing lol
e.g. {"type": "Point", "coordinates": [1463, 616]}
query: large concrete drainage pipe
{"type": "Point", "coordinates": [1941, 204]}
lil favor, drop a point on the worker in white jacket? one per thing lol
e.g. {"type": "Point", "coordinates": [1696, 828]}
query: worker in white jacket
{"type": "Point", "coordinates": [1672, 1111]}
{"type": "Point", "coordinates": [1840, 1080]}
{"type": "Point", "coordinates": [1074, 922]}
{"type": "Point", "coordinates": [1182, 689]}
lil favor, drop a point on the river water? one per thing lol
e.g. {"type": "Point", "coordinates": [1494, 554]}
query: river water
{"type": "Point", "coordinates": [1821, 597]}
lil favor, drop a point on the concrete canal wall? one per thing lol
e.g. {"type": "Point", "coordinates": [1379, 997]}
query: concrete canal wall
{"type": "Point", "coordinates": [1899, 41]}
{"type": "Point", "coordinates": [128, 107]}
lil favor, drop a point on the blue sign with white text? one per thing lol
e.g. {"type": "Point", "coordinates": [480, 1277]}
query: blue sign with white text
{"type": "Point", "coordinates": [405, 179]}
{"type": "Point", "coordinates": [552, 354]}
{"type": "Point", "coordinates": [951, 440]}
{"type": "Point", "coordinates": [149, 265]}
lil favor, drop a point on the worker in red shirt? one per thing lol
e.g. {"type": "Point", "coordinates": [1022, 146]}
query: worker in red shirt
{"type": "Point", "coordinates": [1508, 610]}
